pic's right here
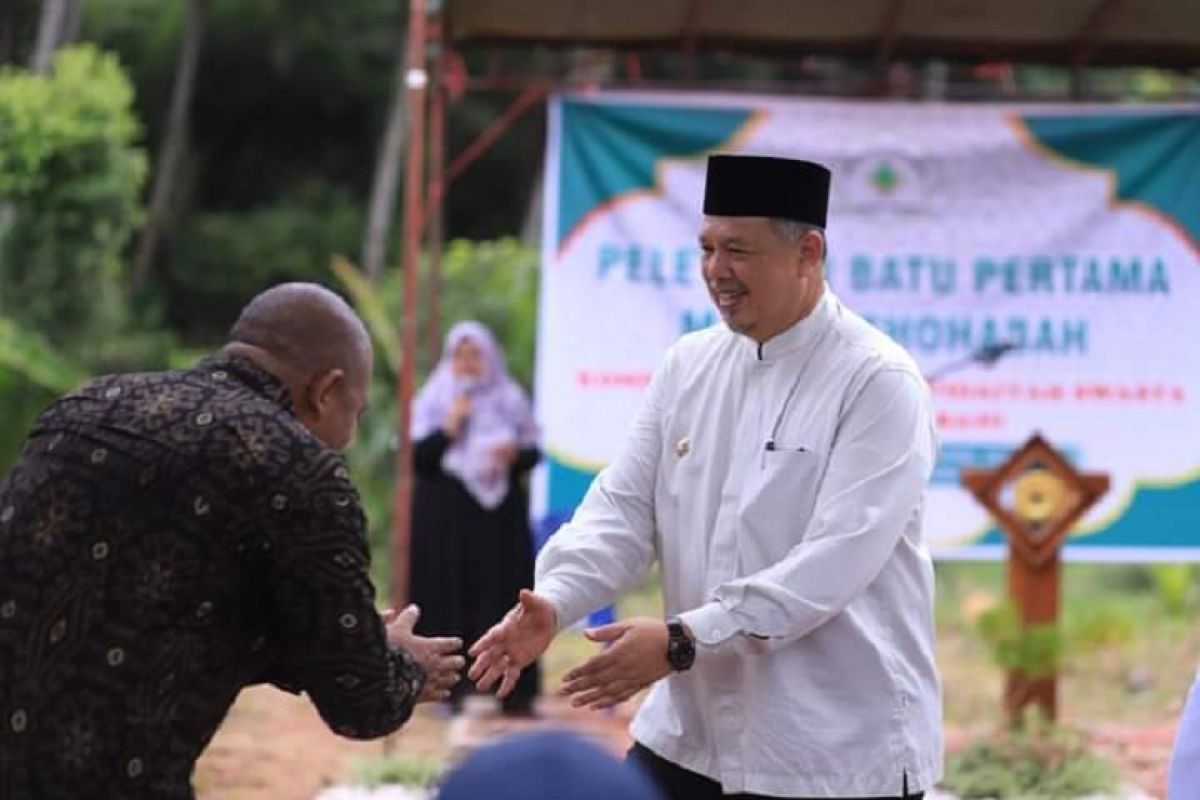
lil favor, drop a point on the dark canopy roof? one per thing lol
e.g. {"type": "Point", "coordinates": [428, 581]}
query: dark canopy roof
{"type": "Point", "coordinates": [1158, 33]}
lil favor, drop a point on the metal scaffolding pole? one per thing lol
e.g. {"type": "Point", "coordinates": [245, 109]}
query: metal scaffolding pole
{"type": "Point", "coordinates": [416, 79]}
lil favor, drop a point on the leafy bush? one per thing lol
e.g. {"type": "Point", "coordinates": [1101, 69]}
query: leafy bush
{"type": "Point", "coordinates": [222, 259]}
{"type": "Point", "coordinates": [1035, 651]}
{"type": "Point", "coordinates": [1038, 761]}
{"type": "Point", "coordinates": [1175, 586]}
{"type": "Point", "coordinates": [70, 183]}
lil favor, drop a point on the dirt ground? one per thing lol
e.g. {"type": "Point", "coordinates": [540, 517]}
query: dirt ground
{"type": "Point", "coordinates": [273, 746]}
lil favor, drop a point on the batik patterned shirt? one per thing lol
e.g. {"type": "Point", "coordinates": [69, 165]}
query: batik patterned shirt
{"type": "Point", "coordinates": [165, 540]}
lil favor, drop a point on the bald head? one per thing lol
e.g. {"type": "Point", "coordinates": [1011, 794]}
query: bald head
{"type": "Point", "coordinates": [311, 340]}
{"type": "Point", "coordinates": [306, 328]}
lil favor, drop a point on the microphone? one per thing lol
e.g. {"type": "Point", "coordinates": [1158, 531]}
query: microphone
{"type": "Point", "coordinates": [990, 354]}
{"type": "Point", "coordinates": [986, 356]}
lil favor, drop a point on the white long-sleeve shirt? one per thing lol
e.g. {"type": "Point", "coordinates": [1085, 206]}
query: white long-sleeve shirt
{"type": "Point", "coordinates": [780, 489]}
{"type": "Point", "coordinates": [1183, 782]}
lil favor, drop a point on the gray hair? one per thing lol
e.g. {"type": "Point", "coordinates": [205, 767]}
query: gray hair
{"type": "Point", "coordinates": [792, 231]}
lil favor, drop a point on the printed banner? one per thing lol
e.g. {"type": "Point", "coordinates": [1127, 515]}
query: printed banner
{"type": "Point", "coordinates": [1064, 240]}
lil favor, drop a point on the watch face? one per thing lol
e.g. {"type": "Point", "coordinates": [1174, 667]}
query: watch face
{"type": "Point", "coordinates": [681, 652]}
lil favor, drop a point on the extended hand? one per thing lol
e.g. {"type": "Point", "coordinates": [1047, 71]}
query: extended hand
{"type": "Point", "coordinates": [438, 656]}
{"type": "Point", "coordinates": [636, 657]}
{"type": "Point", "coordinates": [513, 643]}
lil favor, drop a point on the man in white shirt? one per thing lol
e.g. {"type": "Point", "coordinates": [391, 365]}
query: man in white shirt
{"type": "Point", "coordinates": [776, 472]}
{"type": "Point", "coordinates": [1183, 782]}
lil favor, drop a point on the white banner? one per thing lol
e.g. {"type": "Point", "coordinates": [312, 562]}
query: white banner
{"type": "Point", "coordinates": [1067, 236]}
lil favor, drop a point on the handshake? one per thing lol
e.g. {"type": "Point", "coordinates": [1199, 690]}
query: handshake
{"type": "Point", "coordinates": [634, 656]}
{"type": "Point", "coordinates": [439, 656]}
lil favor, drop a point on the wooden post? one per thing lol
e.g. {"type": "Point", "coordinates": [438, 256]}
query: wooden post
{"type": "Point", "coordinates": [1035, 496]}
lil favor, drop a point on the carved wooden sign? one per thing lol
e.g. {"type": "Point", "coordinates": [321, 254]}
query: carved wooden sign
{"type": "Point", "coordinates": [1035, 496]}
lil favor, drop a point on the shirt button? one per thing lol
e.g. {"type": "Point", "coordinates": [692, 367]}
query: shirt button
{"type": "Point", "coordinates": [59, 631]}
{"type": "Point", "coordinates": [348, 621]}
{"type": "Point", "coordinates": [112, 391]}
{"type": "Point", "coordinates": [134, 767]}
{"type": "Point", "coordinates": [116, 657]}
{"type": "Point", "coordinates": [98, 455]}
{"type": "Point", "coordinates": [7, 514]}
{"type": "Point", "coordinates": [279, 502]}
{"type": "Point", "coordinates": [18, 721]}
{"type": "Point", "coordinates": [219, 375]}
{"type": "Point", "coordinates": [204, 609]}
{"type": "Point", "coordinates": [204, 418]}
{"type": "Point", "coordinates": [200, 506]}
{"type": "Point", "coordinates": [9, 609]}
{"type": "Point", "coordinates": [100, 551]}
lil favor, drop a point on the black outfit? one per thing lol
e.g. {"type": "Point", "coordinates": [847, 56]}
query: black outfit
{"type": "Point", "coordinates": [165, 540]}
{"type": "Point", "coordinates": [469, 562]}
{"type": "Point", "coordinates": [677, 783]}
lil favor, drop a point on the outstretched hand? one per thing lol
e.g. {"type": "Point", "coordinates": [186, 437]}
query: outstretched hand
{"type": "Point", "coordinates": [513, 643]}
{"type": "Point", "coordinates": [438, 656]}
{"type": "Point", "coordinates": [636, 656]}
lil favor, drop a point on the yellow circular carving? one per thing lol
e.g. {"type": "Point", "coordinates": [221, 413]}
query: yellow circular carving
{"type": "Point", "coordinates": [1037, 495]}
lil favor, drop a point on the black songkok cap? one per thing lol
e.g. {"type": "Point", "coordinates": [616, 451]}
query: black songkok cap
{"type": "Point", "coordinates": [763, 186]}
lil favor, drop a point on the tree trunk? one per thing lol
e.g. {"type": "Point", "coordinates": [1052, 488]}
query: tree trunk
{"type": "Point", "coordinates": [387, 176]}
{"type": "Point", "coordinates": [72, 23]}
{"type": "Point", "coordinates": [51, 25]}
{"type": "Point", "coordinates": [174, 143]}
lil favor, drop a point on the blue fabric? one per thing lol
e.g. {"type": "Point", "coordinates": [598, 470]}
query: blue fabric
{"type": "Point", "coordinates": [545, 765]}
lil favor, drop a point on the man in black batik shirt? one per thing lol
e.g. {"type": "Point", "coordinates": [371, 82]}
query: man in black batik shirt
{"type": "Point", "coordinates": [168, 538]}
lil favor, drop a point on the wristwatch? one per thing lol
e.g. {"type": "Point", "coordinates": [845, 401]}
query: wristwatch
{"type": "Point", "coordinates": [681, 650]}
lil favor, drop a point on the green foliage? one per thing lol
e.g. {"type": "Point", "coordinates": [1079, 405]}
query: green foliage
{"type": "Point", "coordinates": [22, 401]}
{"type": "Point", "coordinates": [396, 770]}
{"type": "Point", "coordinates": [70, 182]}
{"type": "Point", "coordinates": [224, 258]}
{"type": "Point", "coordinates": [1035, 651]}
{"type": "Point", "coordinates": [1039, 761]}
{"type": "Point", "coordinates": [27, 355]}
{"type": "Point", "coordinates": [496, 283]}
{"type": "Point", "coordinates": [373, 310]}
{"type": "Point", "coordinates": [1096, 626]}
{"type": "Point", "coordinates": [1175, 587]}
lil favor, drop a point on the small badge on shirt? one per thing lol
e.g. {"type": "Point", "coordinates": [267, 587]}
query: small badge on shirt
{"type": "Point", "coordinates": [683, 447]}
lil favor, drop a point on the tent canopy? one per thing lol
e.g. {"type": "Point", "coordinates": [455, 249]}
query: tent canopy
{"type": "Point", "coordinates": [1152, 33]}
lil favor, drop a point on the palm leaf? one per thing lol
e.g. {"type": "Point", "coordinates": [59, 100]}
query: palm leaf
{"type": "Point", "coordinates": [28, 355]}
{"type": "Point", "coordinates": [371, 308]}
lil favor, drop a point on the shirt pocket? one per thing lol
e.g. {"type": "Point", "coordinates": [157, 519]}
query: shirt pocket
{"type": "Point", "coordinates": [777, 504]}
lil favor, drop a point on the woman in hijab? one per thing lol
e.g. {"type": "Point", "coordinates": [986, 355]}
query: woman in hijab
{"type": "Point", "coordinates": [475, 440]}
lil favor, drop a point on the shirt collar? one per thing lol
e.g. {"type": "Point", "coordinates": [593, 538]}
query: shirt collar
{"type": "Point", "coordinates": [246, 372]}
{"type": "Point", "coordinates": [801, 336]}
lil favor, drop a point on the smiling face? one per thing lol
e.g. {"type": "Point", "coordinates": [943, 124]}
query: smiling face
{"type": "Point", "coordinates": [761, 282]}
